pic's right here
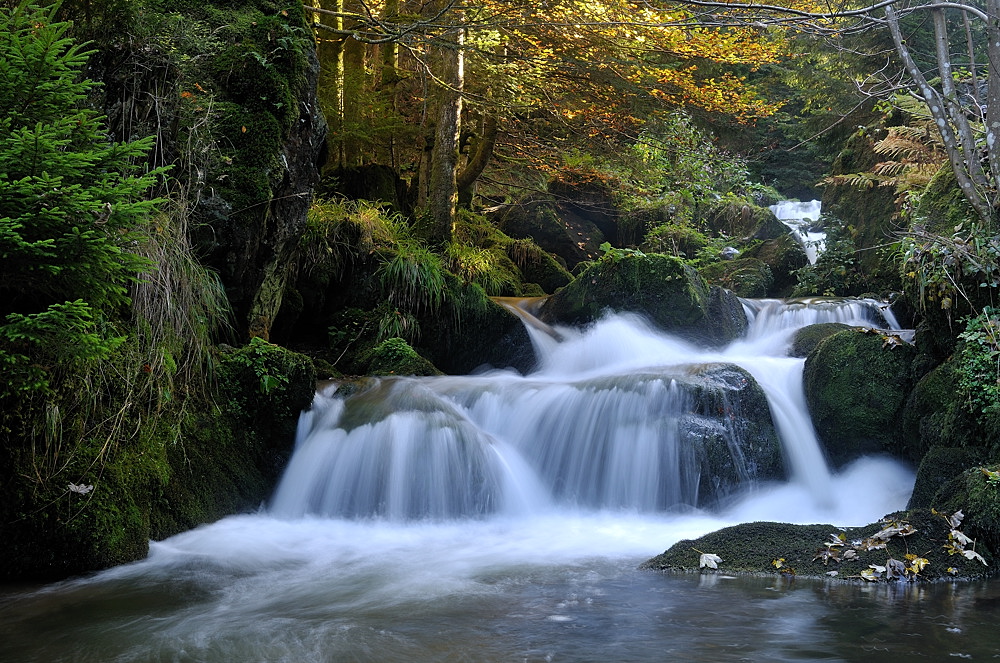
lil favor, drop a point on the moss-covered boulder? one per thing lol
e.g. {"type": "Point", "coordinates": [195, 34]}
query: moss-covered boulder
{"type": "Point", "coordinates": [935, 416]}
{"type": "Point", "coordinates": [939, 466]}
{"type": "Point", "coordinates": [472, 331]}
{"type": "Point", "coordinates": [228, 460]}
{"type": "Point", "coordinates": [745, 277]}
{"type": "Point", "coordinates": [663, 288]}
{"type": "Point", "coordinates": [806, 339]}
{"type": "Point", "coordinates": [735, 217]}
{"type": "Point", "coordinates": [856, 384]}
{"type": "Point", "coordinates": [182, 462]}
{"type": "Point", "coordinates": [827, 550]}
{"type": "Point", "coordinates": [394, 356]}
{"type": "Point", "coordinates": [574, 239]}
{"type": "Point", "coordinates": [784, 256]}
{"type": "Point", "coordinates": [977, 494]}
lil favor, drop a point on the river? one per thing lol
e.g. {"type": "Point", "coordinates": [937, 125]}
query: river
{"type": "Point", "coordinates": [369, 552]}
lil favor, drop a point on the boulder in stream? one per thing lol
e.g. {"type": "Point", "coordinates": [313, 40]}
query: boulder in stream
{"type": "Point", "coordinates": [667, 291]}
{"type": "Point", "coordinates": [856, 384]}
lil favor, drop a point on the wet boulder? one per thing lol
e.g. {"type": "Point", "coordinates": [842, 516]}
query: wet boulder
{"type": "Point", "coordinates": [556, 229]}
{"type": "Point", "coordinates": [735, 217]}
{"type": "Point", "coordinates": [730, 431]}
{"type": "Point", "coordinates": [663, 288]}
{"type": "Point", "coordinates": [856, 384]}
{"type": "Point", "coordinates": [784, 256]}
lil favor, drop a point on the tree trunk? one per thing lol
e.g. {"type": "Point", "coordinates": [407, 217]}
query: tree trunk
{"type": "Point", "coordinates": [466, 179]}
{"type": "Point", "coordinates": [330, 48]}
{"type": "Point", "coordinates": [936, 104]}
{"type": "Point", "coordinates": [442, 196]}
{"type": "Point", "coordinates": [993, 92]}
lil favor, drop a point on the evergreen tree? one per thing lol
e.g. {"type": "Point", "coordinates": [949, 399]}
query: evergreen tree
{"type": "Point", "coordinates": [71, 201]}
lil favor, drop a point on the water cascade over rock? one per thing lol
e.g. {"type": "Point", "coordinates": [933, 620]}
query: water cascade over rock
{"type": "Point", "coordinates": [799, 217]}
{"type": "Point", "coordinates": [616, 416]}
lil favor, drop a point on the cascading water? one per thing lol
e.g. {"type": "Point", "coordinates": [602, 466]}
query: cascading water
{"type": "Point", "coordinates": [500, 517]}
{"type": "Point", "coordinates": [799, 217]}
{"type": "Point", "coordinates": [610, 420]}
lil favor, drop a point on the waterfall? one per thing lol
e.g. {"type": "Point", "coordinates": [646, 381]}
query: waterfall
{"type": "Point", "coordinates": [616, 416]}
{"type": "Point", "coordinates": [799, 217]}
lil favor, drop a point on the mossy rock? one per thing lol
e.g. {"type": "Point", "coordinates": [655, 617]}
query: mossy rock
{"type": "Point", "coordinates": [663, 288]}
{"type": "Point", "coordinates": [784, 256]}
{"type": "Point", "coordinates": [734, 217]}
{"type": "Point", "coordinates": [394, 356]}
{"type": "Point", "coordinates": [674, 239]}
{"type": "Point", "coordinates": [471, 331]}
{"type": "Point", "coordinates": [856, 384]}
{"type": "Point", "coordinates": [558, 231]}
{"type": "Point", "coordinates": [973, 494]}
{"type": "Point", "coordinates": [939, 466]}
{"type": "Point", "coordinates": [745, 277]}
{"type": "Point", "coordinates": [806, 339]}
{"type": "Point", "coordinates": [942, 205]}
{"type": "Point", "coordinates": [934, 415]}
{"type": "Point", "coordinates": [783, 549]}
{"type": "Point", "coordinates": [52, 530]}
{"type": "Point", "coordinates": [538, 268]}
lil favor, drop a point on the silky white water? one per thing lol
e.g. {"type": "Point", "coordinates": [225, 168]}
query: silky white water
{"type": "Point", "coordinates": [360, 556]}
{"type": "Point", "coordinates": [799, 216]}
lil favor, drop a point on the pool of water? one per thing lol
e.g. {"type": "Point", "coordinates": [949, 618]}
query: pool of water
{"type": "Point", "coordinates": [561, 587]}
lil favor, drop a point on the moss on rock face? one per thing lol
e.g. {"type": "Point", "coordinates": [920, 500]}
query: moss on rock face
{"type": "Point", "coordinates": [807, 338]}
{"type": "Point", "coordinates": [663, 288]}
{"type": "Point", "coordinates": [735, 217]}
{"type": "Point", "coordinates": [934, 415]}
{"type": "Point", "coordinates": [745, 277]}
{"type": "Point", "coordinates": [978, 497]}
{"type": "Point", "coordinates": [228, 460]}
{"type": "Point", "coordinates": [938, 467]}
{"type": "Point", "coordinates": [783, 549]}
{"type": "Point", "coordinates": [784, 256]}
{"type": "Point", "coordinates": [856, 385]}
{"type": "Point", "coordinates": [394, 356]}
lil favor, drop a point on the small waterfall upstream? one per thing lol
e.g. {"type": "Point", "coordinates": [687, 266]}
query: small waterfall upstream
{"type": "Point", "coordinates": [615, 417]}
{"type": "Point", "coordinates": [799, 217]}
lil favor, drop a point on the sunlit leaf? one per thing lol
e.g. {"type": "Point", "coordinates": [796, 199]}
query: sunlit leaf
{"type": "Point", "coordinates": [870, 575]}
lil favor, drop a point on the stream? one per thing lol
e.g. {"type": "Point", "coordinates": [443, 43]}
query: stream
{"type": "Point", "coordinates": [500, 517]}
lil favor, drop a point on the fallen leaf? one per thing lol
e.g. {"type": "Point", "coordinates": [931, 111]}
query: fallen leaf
{"type": "Point", "coordinates": [709, 560]}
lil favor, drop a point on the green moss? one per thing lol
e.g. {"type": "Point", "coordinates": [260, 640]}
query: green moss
{"type": "Point", "coordinates": [856, 384]}
{"type": "Point", "coordinates": [784, 256]}
{"type": "Point", "coordinates": [979, 499]}
{"type": "Point", "coordinates": [807, 338]}
{"type": "Point", "coordinates": [745, 277]}
{"type": "Point", "coordinates": [676, 240]}
{"type": "Point", "coordinates": [938, 467]}
{"type": "Point", "coordinates": [394, 356]}
{"type": "Point", "coordinates": [934, 415]}
{"type": "Point", "coordinates": [942, 205]}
